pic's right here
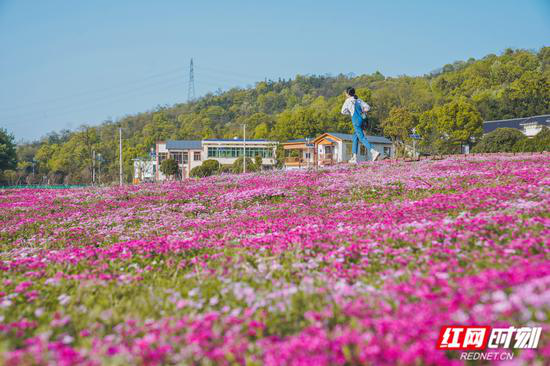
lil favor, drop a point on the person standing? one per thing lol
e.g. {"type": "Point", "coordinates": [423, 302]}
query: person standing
{"type": "Point", "coordinates": [357, 109]}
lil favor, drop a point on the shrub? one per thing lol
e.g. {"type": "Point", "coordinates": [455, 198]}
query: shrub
{"type": "Point", "coordinates": [237, 166]}
{"type": "Point", "coordinates": [169, 167]}
{"type": "Point", "coordinates": [499, 140]}
{"type": "Point", "coordinates": [541, 142]}
{"type": "Point", "coordinates": [8, 177]}
{"type": "Point", "coordinates": [197, 172]}
{"type": "Point", "coordinates": [213, 166]}
{"type": "Point", "coordinates": [226, 169]}
{"type": "Point", "coordinates": [208, 168]}
{"type": "Point", "coordinates": [258, 162]}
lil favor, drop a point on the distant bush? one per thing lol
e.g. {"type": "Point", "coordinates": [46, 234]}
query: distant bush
{"type": "Point", "coordinates": [499, 140]}
{"type": "Point", "coordinates": [211, 165]}
{"type": "Point", "coordinates": [208, 168]}
{"type": "Point", "coordinates": [8, 177]}
{"type": "Point", "coordinates": [226, 169]}
{"type": "Point", "coordinates": [237, 166]}
{"type": "Point", "coordinates": [258, 162]}
{"type": "Point", "coordinates": [197, 172]}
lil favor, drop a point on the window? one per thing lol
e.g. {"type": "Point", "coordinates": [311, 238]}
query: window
{"type": "Point", "coordinates": [177, 156]}
{"type": "Point", "coordinates": [185, 156]}
{"type": "Point", "coordinates": [349, 147]}
{"type": "Point", "coordinates": [162, 156]}
{"type": "Point", "coordinates": [212, 152]}
{"type": "Point", "coordinates": [235, 152]}
{"type": "Point", "coordinates": [308, 155]}
{"type": "Point", "coordinates": [197, 156]}
{"type": "Point", "coordinates": [387, 150]}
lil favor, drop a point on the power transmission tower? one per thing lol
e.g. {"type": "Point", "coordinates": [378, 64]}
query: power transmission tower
{"type": "Point", "coordinates": [191, 90]}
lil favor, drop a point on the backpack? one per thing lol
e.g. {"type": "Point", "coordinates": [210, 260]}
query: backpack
{"type": "Point", "coordinates": [364, 123]}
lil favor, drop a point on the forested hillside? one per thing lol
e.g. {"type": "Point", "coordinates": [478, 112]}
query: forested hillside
{"type": "Point", "coordinates": [446, 107]}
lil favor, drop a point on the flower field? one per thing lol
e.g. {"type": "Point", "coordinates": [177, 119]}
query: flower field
{"type": "Point", "coordinates": [348, 265]}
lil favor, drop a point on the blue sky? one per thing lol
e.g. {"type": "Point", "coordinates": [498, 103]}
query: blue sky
{"type": "Point", "coordinates": [67, 63]}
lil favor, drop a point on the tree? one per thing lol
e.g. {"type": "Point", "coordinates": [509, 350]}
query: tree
{"type": "Point", "coordinates": [398, 126]}
{"type": "Point", "coordinates": [446, 128]}
{"type": "Point", "coordinates": [499, 140]}
{"type": "Point", "coordinates": [8, 153]}
{"type": "Point", "coordinates": [528, 95]}
{"type": "Point", "coordinates": [9, 177]}
{"type": "Point", "coordinates": [513, 84]}
{"type": "Point", "coordinates": [459, 121]}
{"type": "Point", "coordinates": [261, 131]}
{"type": "Point", "coordinates": [542, 140]}
{"type": "Point", "coordinates": [169, 167]}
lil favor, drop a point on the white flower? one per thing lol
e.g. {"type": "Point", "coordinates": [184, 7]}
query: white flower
{"type": "Point", "coordinates": [67, 339]}
{"type": "Point", "coordinates": [64, 299]}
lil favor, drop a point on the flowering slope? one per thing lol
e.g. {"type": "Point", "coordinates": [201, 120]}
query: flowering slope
{"type": "Point", "coordinates": [342, 266]}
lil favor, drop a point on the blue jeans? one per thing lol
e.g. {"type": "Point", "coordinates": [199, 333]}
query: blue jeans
{"type": "Point", "coordinates": [359, 135]}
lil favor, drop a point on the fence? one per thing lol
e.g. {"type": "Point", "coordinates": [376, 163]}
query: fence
{"type": "Point", "coordinates": [45, 186]}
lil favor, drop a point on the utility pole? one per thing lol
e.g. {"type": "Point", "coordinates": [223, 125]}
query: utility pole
{"type": "Point", "coordinates": [93, 168]}
{"type": "Point", "coordinates": [120, 154]}
{"type": "Point", "coordinates": [244, 148]}
{"type": "Point", "coordinates": [99, 172]}
{"type": "Point", "coordinates": [308, 157]}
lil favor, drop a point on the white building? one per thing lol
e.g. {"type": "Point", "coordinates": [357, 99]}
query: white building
{"type": "Point", "coordinates": [190, 154]}
{"type": "Point", "coordinates": [529, 126]}
{"type": "Point", "coordinates": [226, 151]}
{"type": "Point", "coordinates": [531, 129]}
{"type": "Point", "coordinates": [187, 153]}
{"type": "Point", "coordinates": [144, 169]}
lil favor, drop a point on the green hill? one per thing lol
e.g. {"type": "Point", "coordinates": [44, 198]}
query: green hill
{"type": "Point", "coordinates": [455, 98]}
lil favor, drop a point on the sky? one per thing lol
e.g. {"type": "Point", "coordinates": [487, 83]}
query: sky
{"type": "Point", "coordinates": [68, 63]}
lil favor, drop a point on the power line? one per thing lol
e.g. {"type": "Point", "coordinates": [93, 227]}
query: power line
{"type": "Point", "coordinates": [225, 78]}
{"type": "Point", "coordinates": [166, 81]}
{"type": "Point", "coordinates": [158, 84]}
{"type": "Point", "coordinates": [80, 108]}
{"type": "Point", "coordinates": [93, 91]}
{"type": "Point", "coordinates": [166, 75]}
{"type": "Point", "coordinates": [101, 100]}
{"type": "Point", "coordinates": [226, 72]}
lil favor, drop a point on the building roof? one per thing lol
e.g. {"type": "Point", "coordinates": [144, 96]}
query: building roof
{"type": "Point", "coordinates": [238, 140]}
{"type": "Point", "coordinates": [183, 145]}
{"type": "Point", "coordinates": [489, 126]}
{"type": "Point", "coordinates": [295, 141]}
{"type": "Point", "coordinates": [349, 137]}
